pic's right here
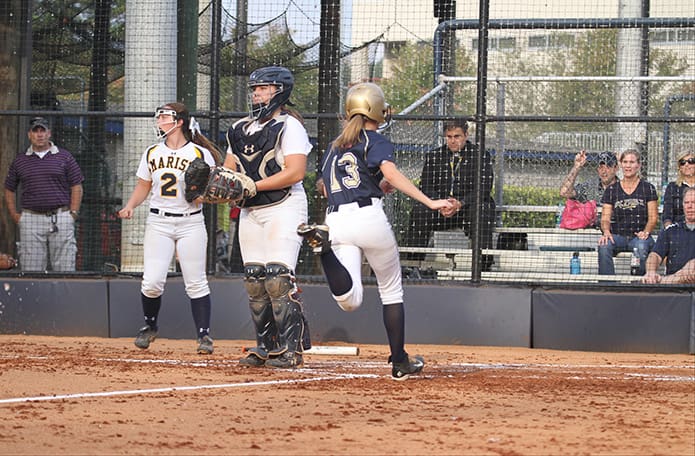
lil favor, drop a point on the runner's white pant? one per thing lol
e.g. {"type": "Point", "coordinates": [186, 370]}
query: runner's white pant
{"type": "Point", "coordinates": [356, 230]}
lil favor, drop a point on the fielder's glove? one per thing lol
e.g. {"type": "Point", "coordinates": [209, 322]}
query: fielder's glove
{"type": "Point", "coordinates": [226, 185]}
{"type": "Point", "coordinates": [7, 262]}
{"type": "Point", "coordinates": [196, 179]}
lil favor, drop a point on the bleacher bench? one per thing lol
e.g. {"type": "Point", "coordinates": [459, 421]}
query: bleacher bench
{"type": "Point", "coordinates": [512, 261]}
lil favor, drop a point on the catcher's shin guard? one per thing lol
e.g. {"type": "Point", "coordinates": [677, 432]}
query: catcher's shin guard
{"type": "Point", "coordinates": [287, 309]}
{"type": "Point", "coordinates": [261, 311]}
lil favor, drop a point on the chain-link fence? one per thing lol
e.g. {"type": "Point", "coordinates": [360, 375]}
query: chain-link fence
{"type": "Point", "coordinates": [552, 78]}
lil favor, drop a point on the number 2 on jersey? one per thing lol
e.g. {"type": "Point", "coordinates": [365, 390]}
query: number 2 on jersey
{"type": "Point", "coordinates": [168, 187]}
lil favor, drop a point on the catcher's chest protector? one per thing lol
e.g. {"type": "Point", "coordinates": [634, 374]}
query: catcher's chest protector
{"type": "Point", "coordinates": [256, 153]}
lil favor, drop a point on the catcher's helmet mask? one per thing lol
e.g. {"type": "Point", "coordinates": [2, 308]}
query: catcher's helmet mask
{"type": "Point", "coordinates": [164, 111]}
{"type": "Point", "coordinates": [277, 76]}
{"type": "Point", "coordinates": [368, 100]}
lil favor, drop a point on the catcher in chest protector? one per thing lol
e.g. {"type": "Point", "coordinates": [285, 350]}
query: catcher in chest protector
{"type": "Point", "coordinates": [270, 147]}
{"type": "Point", "coordinates": [175, 224]}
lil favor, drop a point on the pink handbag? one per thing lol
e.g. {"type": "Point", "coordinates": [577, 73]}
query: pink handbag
{"type": "Point", "coordinates": [578, 215]}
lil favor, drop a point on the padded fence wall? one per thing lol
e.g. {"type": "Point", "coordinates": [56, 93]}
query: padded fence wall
{"type": "Point", "coordinates": [612, 321]}
{"type": "Point", "coordinates": [54, 307]}
{"type": "Point", "coordinates": [460, 314]}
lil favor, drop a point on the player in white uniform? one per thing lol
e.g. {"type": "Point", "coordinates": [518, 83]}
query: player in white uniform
{"type": "Point", "coordinates": [173, 224]}
{"type": "Point", "coordinates": [271, 146]}
{"type": "Point", "coordinates": [356, 169]}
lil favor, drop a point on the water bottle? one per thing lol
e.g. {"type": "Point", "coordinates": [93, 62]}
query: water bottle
{"type": "Point", "coordinates": [575, 264]}
{"type": "Point", "coordinates": [634, 262]}
{"type": "Point", "coordinates": [558, 215]}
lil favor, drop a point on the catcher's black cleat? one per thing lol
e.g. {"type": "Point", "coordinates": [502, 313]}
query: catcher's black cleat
{"type": "Point", "coordinates": [205, 345]}
{"type": "Point", "coordinates": [286, 361]}
{"type": "Point", "coordinates": [146, 335]}
{"type": "Point", "coordinates": [252, 360]}
{"type": "Point", "coordinates": [405, 369]}
{"type": "Point", "coordinates": [316, 236]}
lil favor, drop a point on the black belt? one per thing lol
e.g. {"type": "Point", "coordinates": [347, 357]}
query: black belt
{"type": "Point", "coordinates": [47, 213]}
{"type": "Point", "coordinates": [362, 202]}
{"type": "Point", "coordinates": [171, 214]}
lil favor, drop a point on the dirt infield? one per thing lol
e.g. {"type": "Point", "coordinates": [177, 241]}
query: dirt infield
{"type": "Point", "coordinates": [104, 396]}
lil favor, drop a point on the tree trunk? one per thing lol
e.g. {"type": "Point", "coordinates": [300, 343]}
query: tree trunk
{"type": "Point", "coordinates": [15, 29]}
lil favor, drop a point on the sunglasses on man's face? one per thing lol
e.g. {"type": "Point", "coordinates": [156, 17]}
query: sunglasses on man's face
{"type": "Point", "coordinates": [690, 161]}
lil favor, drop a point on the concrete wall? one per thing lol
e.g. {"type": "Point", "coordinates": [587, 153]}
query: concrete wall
{"type": "Point", "coordinates": [592, 320]}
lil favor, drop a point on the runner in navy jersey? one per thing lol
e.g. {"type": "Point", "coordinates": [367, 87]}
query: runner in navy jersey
{"type": "Point", "coordinates": [356, 169]}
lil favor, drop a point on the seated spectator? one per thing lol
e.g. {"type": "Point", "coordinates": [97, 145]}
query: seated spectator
{"type": "Point", "coordinates": [7, 262]}
{"type": "Point", "coordinates": [449, 172]}
{"type": "Point", "coordinates": [591, 189]}
{"type": "Point", "coordinates": [629, 215]}
{"type": "Point", "coordinates": [673, 196]}
{"type": "Point", "coordinates": [676, 244]}
{"type": "Point", "coordinates": [684, 275]}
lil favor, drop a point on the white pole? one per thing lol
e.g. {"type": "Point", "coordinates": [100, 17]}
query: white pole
{"type": "Point", "coordinates": [627, 95]}
{"type": "Point", "coordinates": [150, 80]}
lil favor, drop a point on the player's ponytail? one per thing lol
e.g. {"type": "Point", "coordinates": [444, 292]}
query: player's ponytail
{"type": "Point", "coordinates": [191, 130]}
{"type": "Point", "coordinates": [350, 134]}
{"type": "Point", "coordinates": [201, 140]}
{"type": "Point", "coordinates": [294, 113]}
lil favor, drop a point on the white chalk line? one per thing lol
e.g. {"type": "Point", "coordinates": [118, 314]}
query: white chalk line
{"type": "Point", "coordinates": [183, 388]}
{"type": "Point", "coordinates": [370, 364]}
{"type": "Point", "coordinates": [572, 368]}
{"type": "Point", "coordinates": [328, 375]}
{"type": "Point", "coordinates": [467, 367]}
{"type": "Point", "coordinates": [569, 366]}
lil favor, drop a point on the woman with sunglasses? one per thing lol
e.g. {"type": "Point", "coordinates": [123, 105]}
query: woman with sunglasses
{"type": "Point", "coordinates": [673, 196]}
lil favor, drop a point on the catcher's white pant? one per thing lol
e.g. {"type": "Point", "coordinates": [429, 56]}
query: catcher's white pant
{"type": "Point", "coordinates": [187, 237]}
{"type": "Point", "coordinates": [354, 230]}
{"type": "Point", "coordinates": [269, 234]}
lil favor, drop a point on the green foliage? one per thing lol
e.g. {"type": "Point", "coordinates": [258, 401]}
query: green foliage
{"type": "Point", "coordinates": [530, 196]}
{"type": "Point", "coordinates": [265, 52]}
{"type": "Point", "coordinates": [593, 55]}
{"type": "Point", "coordinates": [305, 94]}
{"type": "Point", "coordinates": [63, 43]}
{"type": "Point", "coordinates": [307, 262]}
{"type": "Point", "coordinates": [411, 77]}
{"type": "Point", "coordinates": [315, 201]}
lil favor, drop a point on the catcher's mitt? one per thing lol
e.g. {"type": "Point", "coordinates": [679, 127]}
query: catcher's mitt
{"type": "Point", "coordinates": [226, 185]}
{"type": "Point", "coordinates": [196, 179]}
{"type": "Point", "coordinates": [7, 262]}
